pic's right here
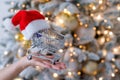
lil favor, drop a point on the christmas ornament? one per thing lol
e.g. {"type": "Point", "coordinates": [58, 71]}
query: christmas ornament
{"type": "Point", "coordinates": [33, 26]}
{"type": "Point", "coordinates": [26, 44]}
{"type": "Point", "coordinates": [19, 37]}
{"type": "Point", "coordinates": [82, 36]}
{"type": "Point", "coordinates": [66, 20]}
{"type": "Point", "coordinates": [49, 7]}
{"type": "Point", "coordinates": [69, 7]}
{"type": "Point", "coordinates": [21, 52]}
{"type": "Point", "coordinates": [90, 68]}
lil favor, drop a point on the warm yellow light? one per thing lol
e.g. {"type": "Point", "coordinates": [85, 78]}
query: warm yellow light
{"type": "Point", "coordinates": [118, 18]}
{"type": "Point", "coordinates": [66, 43]}
{"type": "Point", "coordinates": [98, 32]}
{"type": "Point", "coordinates": [113, 66]}
{"type": "Point", "coordinates": [55, 75]}
{"type": "Point", "coordinates": [100, 1]}
{"type": "Point", "coordinates": [101, 78]}
{"type": "Point", "coordinates": [94, 8]}
{"type": "Point", "coordinates": [23, 5]}
{"type": "Point", "coordinates": [115, 50]}
{"type": "Point", "coordinates": [86, 25]}
{"type": "Point", "coordinates": [71, 54]}
{"type": "Point", "coordinates": [66, 11]}
{"type": "Point", "coordinates": [78, 4]}
{"type": "Point", "coordinates": [118, 6]}
{"type": "Point", "coordinates": [105, 20]}
{"type": "Point", "coordinates": [91, 15]}
{"type": "Point", "coordinates": [116, 70]}
{"type": "Point", "coordinates": [78, 38]}
{"type": "Point", "coordinates": [69, 73]}
{"type": "Point", "coordinates": [104, 52]}
{"type": "Point", "coordinates": [46, 18]}
{"type": "Point", "coordinates": [71, 49]}
{"type": "Point", "coordinates": [80, 46]}
{"type": "Point", "coordinates": [60, 50]}
{"type": "Point", "coordinates": [79, 73]}
{"type": "Point", "coordinates": [106, 32]}
{"type": "Point", "coordinates": [94, 28]}
{"type": "Point", "coordinates": [75, 35]}
{"type": "Point", "coordinates": [113, 59]}
{"type": "Point", "coordinates": [102, 61]}
{"type": "Point", "coordinates": [81, 23]}
{"type": "Point", "coordinates": [113, 74]}
{"type": "Point", "coordinates": [71, 60]}
{"type": "Point", "coordinates": [111, 33]}
{"type": "Point", "coordinates": [18, 79]}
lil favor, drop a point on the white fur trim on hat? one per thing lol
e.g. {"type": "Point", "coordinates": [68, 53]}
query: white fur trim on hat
{"type": "Point", "coordinates": [34, 27]}
{"type": "Point", "coordinates": [8, 24]}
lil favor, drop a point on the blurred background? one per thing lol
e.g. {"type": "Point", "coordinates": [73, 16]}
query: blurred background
{"type": "Point", "coordinates": [92, 44]}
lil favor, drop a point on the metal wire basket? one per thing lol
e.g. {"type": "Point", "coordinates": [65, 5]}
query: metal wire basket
{"type": "Point", "coordinates": [48, 41]}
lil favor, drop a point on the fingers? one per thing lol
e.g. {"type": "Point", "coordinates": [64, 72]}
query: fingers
{"type": "Point", "coordinates": [59, 66]}
{"type": "Point", "coordinates": [46, 63]}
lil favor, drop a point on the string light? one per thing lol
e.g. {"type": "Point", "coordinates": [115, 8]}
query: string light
{"type": "Point", "coordinates": [69, 73]}
{"type": "Point", "coordinates": [105, 20]}
{"type": "Point", "coordinates": [106, 32]}
{"type": "Point", "coordinates": [60, 50]}
{"type": "Point", "coordinates": [100, 1]}
{"type": "Point", "coordinates": [79, 73]}
{"type": "Point", "coordinates": [101, 78]}
{"type": "Point", "coordinates": [94, 8]}
{"type": "Point", "coordinates": [18, 79]}
{"type": "Point", "coordinates": [113, 74]}
{"type": "Point", "coordinates": [78, 4]}
{"type": "Point", "coordinates": [75, 35]}
{"type": "Point", "coordinates": [118, 6]}
{"type": "Point", "coordinates": [118, 18]}
{"type": "Point", "coordinates": [55, 75]}
{"type": "Point", "coordinates": [6, 53]}
{"type": "Point", "coordinates": [66, 11]}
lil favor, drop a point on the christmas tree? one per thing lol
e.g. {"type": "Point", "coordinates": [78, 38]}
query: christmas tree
{"type": "Point", "coordinates": [92, 43]}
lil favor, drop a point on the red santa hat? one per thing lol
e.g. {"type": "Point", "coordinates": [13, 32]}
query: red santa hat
{"type": "Point", "coordinates": [30, 22]}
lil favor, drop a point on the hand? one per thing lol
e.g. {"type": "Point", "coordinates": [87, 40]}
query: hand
{"type": "Point", "coordinates": [45, 63]}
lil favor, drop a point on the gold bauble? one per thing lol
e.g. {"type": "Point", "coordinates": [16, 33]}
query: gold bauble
{"type": "Point", "coordinates": [26, 44]}
{"type": "Point", "coordinates": [90, 68]}
{"type": "Point", "coordinates": [19, 37]}
{"type": "Point", "coordinates": [66, 21]}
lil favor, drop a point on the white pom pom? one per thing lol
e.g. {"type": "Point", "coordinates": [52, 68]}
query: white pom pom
{"type": "Point", "coordinates": [8, 24]}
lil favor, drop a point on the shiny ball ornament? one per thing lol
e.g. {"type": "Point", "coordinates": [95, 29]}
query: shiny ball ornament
{"type": "Point", "coordinates": [21, 52]}
{"type": "Point", "coordinates": [26, 44]}
{"type": "Point", "coordinates": [66, 20]}
{"type": "Point", "coordinates": [19, 37]}
{"type": "Point", "coordinates": [90, 68]}
{"type": "Point", "coordinates": [84, 35]}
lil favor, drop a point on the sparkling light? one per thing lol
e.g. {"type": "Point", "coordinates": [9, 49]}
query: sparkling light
{"type": "Point", "coordinates": [6, 53]}
{"type": "Point", "coordinates": [113, 74]}
{"type": "Point", "coordinates": [100, 1]}
{"type": "Point", "coordinates": [79, 73]}
{"type": "Point", "coordinates": [55, 75]}
{"type": "Point", "coordinates": [101, 78]}
{"type": "Point", "coordinates": [118, 18]}
{"type": "Point", "coordinates": [69, 73]}
{"type": "Point", "coordinates": [61, 50]}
